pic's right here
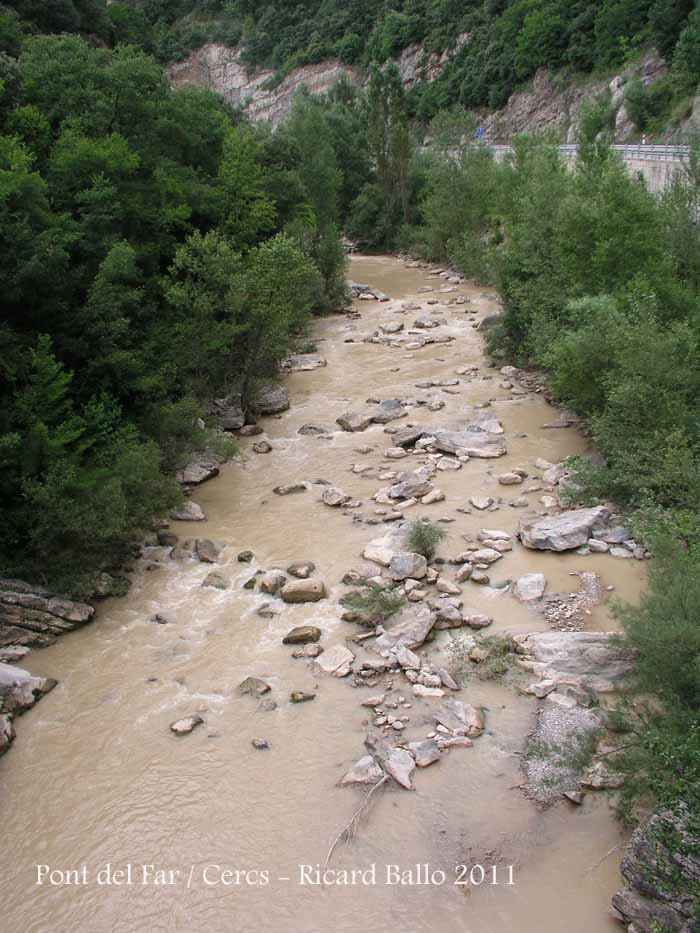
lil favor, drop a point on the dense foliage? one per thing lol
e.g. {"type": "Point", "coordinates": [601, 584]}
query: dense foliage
{"type": "Point", "coordinates": [153, 254]}
{"type": "Point", "coordinates": [498, 43]}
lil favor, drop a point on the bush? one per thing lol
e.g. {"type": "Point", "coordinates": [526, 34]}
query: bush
{"type": "Point", "coordinates": [373, 604]}
{"type": "Point", "coordinates": [424, 537]}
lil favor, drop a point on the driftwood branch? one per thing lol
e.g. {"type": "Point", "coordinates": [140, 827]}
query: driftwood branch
{"type": "Point", "coordinates": [349, 830]}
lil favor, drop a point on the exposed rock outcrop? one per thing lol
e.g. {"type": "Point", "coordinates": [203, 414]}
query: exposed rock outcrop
{"type": "Point", "coordinates": [35, 617]}
{"type": "Point", "coordinates": [19, 690]}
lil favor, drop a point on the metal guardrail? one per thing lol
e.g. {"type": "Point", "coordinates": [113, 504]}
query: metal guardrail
{"type": "Point", "coordinates": [635, 153]}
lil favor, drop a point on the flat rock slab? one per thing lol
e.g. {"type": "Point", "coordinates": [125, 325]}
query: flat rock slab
{"type": "Point", "coordinates": [396, 762]}
{"type": "Point", "coordinates": [355, 421]}
{"type": "Point", "coordinates": [188, 512]}
{"type": "Point", "coordinates": [597, 660]}
{"type": "Point", "coordinates": [253, 686]}
{"type": "Point", "coordinates": [197, 471]}
{"type": "Point", "coordinates": [409, 632]}
{"type": "Point", "coordinates": [426, 753]}
{"type": "Point", "coordinates": [530, 587]}
{"type": "Point", "coordinates": [336, 661]}
{"type": "Point", "coordinates": [271, 399]}
{"type": "Point", "coordinates": [478, 444]}
{"type": "Point", "coordinates": [460, 717]}
{"type": "Point", "coordinates": [563, 532]}
{"type": "Point", "coordinates": [364, 771]}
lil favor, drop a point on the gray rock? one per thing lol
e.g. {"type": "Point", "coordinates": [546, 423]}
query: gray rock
{"type": "Point", "coordinates": [460, 718]}
{"type": "Point", "coordinates": [597, 660]}
{"type": "Point", "coordinates": [410, 631]}
{"type": "Point", "coordinates": [260, 744]}
{"type": "Point", "coordinates": [354, 421]}
{"type": "Point", "coordinates": [290, 489]}
{"type": "Point", "coordinates": [271, 399]}
{"type": "Point", "coordinates": [302, 696]}
{"type": "Point", "coordinates": [301, 569]}
{"type": "Point", "coordinates": [530, 587]}
{"type": "Point", "coordinates": [272, 582]}
{"type": "Point", "coordinates": [310, 430]}
{"type": "Point", "coordinates": [426, 753]}
{"type": "Point", "coordinates": [336, 661]}
{"type": "Point", "coordinates": [187, 725]}
{"type": "Point", "coordinates": [562, 532]}
{"type": "Point", "coordinates": [188, 512]}
{"type": "Point", "coordinates": [245, 557]}
{"type": "Point", "coordinates": [197, 471]}
{"type": "Point", "coordinates": [408, 565]}
{"type": "Point", "coordinates": [478, 444]}
{"type": "Point", "coordinates": [262, 447]}
{"type": "Point", "coordinates": [253, 686]}
{"type": "Point", "coordinates": [396, 762]}
{"type": "Point", "coordinates": [334, 497]}
{"type": "Point", "coordinates": [216, 581]}
{"type": "Point", "coordinates": [390, 410]}
{"type": "Point", "coordinates": [304, 362]}
{"type": "Point", "coordinates": [229, 413]}
{"type": "Point", "coordinates": [207, 552]}
{"type": "Point", "coordinates": [364, 771]}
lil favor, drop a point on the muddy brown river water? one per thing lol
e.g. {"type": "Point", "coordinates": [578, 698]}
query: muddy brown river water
{"type": "Point", "coordinates": [95, 777]}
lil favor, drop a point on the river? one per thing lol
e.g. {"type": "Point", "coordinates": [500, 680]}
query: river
{"type": "Point", "coordinates": [96, 778]}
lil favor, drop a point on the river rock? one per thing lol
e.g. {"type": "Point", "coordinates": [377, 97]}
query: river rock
{"type": "Point", "coordinates": [460, 717]}
{"type": "Point", "coordinates": [253, 686]}
{"type": "Point", "coordinates": [364, 771]}
{"type": "Point", "coordinates": [410, 631]}
{"type": "Point", "coordinates": [389, 410]}
{"type": "Point", "coordinates": [272, 582]}
{"type": "Point", "coordinates": [197, 471]}
{"type": "Point", "coordinates": [301, 569]}
{"type": "Point", "coordinates": [188, 512]}
{"type": "Point", "coordinates": [408, 659]}
{"type": "Point", "coordinates": [486, 555]}
{"type": "Point", "coordinates": [478, 444]}
{"type": "Point", "coordinates": [354, 421]}
{"type": "Point", "coordinates": [229, 413]}
{"type": "Point", "coordinates": [336, 661]}
{"type": "Point", "coordinates": [303, 591]}
{"type": "Point", "coordinates": [408, 565]}
{"type": "Point", "coordinates": [481, 503]}
{"type": "Point", "coordinates": [207, 552]}
{"type": "Point", "coordinates": [562, 532]}
{"type": "Point", "coordinates": [334, 497]}
{"type": "Point", "coordinates": [407, 437]}
{"type": "Point", "coordinates": [311, 430]}
{"type": "Point", "coordinates": [530, 587]}
{"type": "Point", "coordinates": [245, 557]}
{"type": "Point", "coordinates": [290, 489]}
{"type": "Point", "coordinates": [302, 696]}
{"type": "Point", "coordinates": [302, 635]}
{"type": "Point", "coordinates": [426, 753]}
{"type": "Point", "coordinates": [304, 362]}
{"type": "Point", "coordinates": [597, 660]}
{"type": "Point", "coordinates": [413, 487]}
{"type": "Point", "coordinates": [396, 762]}
{"type": "Point", "coordinates": [216, 581]}
{"type": "Point", "coordinates": [262, 447]}
{"type": "Point", "coordinates": [271, 399]}
{"type": "Point", "coordinates": [421, 691]}
{"type": "Point", "coordinates": [510, 479]}
{"type": "Point", "coordinates": [187, 725]}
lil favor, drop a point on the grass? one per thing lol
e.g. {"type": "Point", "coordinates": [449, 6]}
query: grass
{"type": "Point", "coordinates": [373, 604]}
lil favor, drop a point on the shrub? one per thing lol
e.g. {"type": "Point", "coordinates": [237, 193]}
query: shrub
{"type": "Point", "coordinates": [424, 537]}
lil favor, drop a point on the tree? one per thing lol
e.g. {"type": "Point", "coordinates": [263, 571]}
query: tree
{"type": "Point", "coordinates": [247, 209]}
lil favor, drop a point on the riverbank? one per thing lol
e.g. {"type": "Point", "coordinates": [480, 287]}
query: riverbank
{"type": "Point", "coordinates": [211, 797]}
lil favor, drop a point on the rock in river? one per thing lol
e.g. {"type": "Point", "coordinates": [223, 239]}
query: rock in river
{"type": "Point", "coordinates": [187, 725]}
{"type": "Point", "coordinates": [530, 587]}
{"type": "Point", "coordinates": [304, 362]}
{"type": "Point", "coordinates": [354, 421]}
{"type": "Point", "coordinates": [597, 660]}
{"type": "Point", "coordinates": [408, 566]}
{"type": "Point", "coordinates": [302, 635]}
{"type": "Point", "coordinates": [460, 718]}
{"type": "Point", "coordinates": [303, 591]}
{"type": "Point", "coordinates": [563, 532]}
{"type": "Point", "coordinates": [396, 762]}
{"type": "Point", "coordinates": [364, 771]}
{"type": "Point", "coordinates": [410, 631]}
{"type": "Point", "coordinates": [336, 661]}
{"type": "Point", "coordinates": [188, 512]}
{"type": "Point", "coordinates": [271, 399]}
{"type": "Point", "coordinates": [253, 686]}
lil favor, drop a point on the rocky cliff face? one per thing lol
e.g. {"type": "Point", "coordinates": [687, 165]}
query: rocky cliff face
{"type": "Point", "coordinates": [18, 692]}
{"type": "Point", "coordinates": [221, 69]}
{"type": "Point", "coordinates": [548, 106]}
{"type": "Point", "coordinates": [33, 617]}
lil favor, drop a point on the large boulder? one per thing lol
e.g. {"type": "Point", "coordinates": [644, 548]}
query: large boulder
{"type": "Point", "coordinates": [408, 565]}
{"type": "Point", "coordinates": [304, 362]}
{"type": "Point", "coordinates": [228, 412]}
{"type": "Point", "coordinates": [354, 421]}
{"type": "Point", "coordinates": [189, 511]}
{"type": "Point", "coordinates": [336, 661]}
{"type": "Point", "coordinates": [410, 631]}
{"type": "Point", "coordinates": [476, 443]}
{"type": "Point", "coordinates": [303, 591]}
{"type": "Point", "coordinates": [530, 587]}
{"type": "Point", "coordinates": [302, 635]}
{"type": "Point", "coordinates": [198, 470]}
{"type": "Point", "coordinates": [271, 399]}
{"type": "Point", "coordinates": [563, 532]}
{"type": "Point", "coordinates": [597, 660]}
